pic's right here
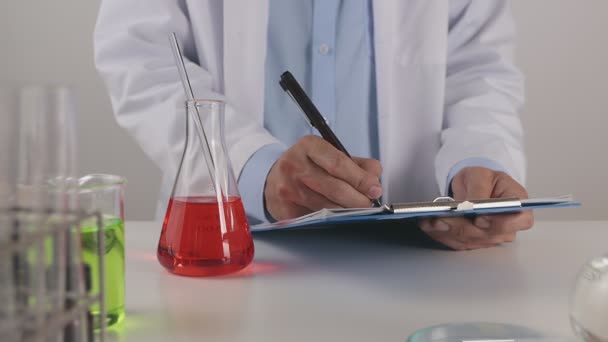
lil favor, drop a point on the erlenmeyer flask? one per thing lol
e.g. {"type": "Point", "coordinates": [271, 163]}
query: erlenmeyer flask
{"type": "Point", "coordinates": [205, 231]}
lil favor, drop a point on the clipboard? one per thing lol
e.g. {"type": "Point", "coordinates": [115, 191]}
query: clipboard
{"type": "Point", "coordinates": [439, 207]}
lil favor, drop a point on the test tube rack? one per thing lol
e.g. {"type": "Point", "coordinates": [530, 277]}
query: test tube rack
{"type": "Point", "coordinates": [44, 285]}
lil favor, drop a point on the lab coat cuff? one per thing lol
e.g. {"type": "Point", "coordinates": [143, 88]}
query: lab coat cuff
{"type": "Point", "coordinates": [471, 162]}
{"type": "Point", "coordinates": [253, 180]}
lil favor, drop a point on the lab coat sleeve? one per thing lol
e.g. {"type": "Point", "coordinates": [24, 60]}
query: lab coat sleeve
{"type": "Point", "coordinates": [133, 56]}
{"type": "Point", "coordinates": [484, 91]}
{"type": "Point", "coordinates": [253, 181]}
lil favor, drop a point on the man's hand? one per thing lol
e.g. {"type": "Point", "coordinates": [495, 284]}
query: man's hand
{"type": "Point", "coordinates": [313, 175]}
{"type": "Point", "coordinates": [483, 231]}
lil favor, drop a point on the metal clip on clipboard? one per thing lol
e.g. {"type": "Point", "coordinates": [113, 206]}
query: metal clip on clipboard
{"type": "Point", "coordinates": [450, 204]}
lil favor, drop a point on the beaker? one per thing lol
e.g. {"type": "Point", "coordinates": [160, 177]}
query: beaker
{"type": "Point", "coordinates": [205, 230]}
{"type": "Point", "coordinates": [104, 194]}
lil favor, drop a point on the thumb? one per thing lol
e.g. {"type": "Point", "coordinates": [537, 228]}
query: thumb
{"type": "Point", "coordinates": [474, 183]}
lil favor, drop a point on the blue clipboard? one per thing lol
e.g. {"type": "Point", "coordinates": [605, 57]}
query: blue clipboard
{"type": "Point", "coordinates": [440, 207]}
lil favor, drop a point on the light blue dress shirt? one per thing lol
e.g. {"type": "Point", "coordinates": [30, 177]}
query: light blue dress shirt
{"type": "Point", "coordinates": [328, 46]}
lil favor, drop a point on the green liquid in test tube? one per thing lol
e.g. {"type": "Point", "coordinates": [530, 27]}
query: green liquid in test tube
{"type": "Point", "coordinates": [114, 267]}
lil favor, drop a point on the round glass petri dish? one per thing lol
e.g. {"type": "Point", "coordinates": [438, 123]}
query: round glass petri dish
{"type": "Point", "coordinates": [476, 332]}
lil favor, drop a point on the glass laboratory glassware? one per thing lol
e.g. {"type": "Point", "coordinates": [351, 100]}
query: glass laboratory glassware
{"type": "Point", "coordinates": [589, 301]}
{"type": "Point", "coordinates": [46, 151]}
{"type": "Point", "coordinates": [47, 271]}
{"type": "Point", "coordinates": [104, 194]}
{"type": "Point", "coordinates": [9, 319]}
{"type": "Point", "coordinates": [477, 332]}
{"type": "Point", "coordinates": [8, 147]}
{"type": "Point", "coordinates": [205, 230]}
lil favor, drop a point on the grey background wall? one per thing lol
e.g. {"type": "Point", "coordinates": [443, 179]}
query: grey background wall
{"type": "Point", "coordinates": [562, 50]}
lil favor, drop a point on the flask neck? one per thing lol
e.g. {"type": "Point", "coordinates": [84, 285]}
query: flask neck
{"type": "Point", "coordinates": [205, 169]}
{"type": "Point", "coordinates": [206, 121]}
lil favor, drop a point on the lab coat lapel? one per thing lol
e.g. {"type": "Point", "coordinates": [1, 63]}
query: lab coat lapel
{"type": "Point", "coordinates": [385, 17]}
{"type": "Point", "coordinates": [409, 45]}
{"type": "Point", "coordinates": [245, 26]}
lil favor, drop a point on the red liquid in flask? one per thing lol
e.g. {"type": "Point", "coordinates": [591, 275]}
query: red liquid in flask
{"type": "Point", "coordinates": [192, 242]}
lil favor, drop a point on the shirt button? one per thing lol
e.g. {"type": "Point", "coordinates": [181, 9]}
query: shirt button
{"type": "Point", "coordinates": [323, 49]}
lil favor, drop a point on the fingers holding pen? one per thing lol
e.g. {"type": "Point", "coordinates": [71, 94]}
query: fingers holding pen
{"type": "Point", "coordinates": [314, 175]}
{"type": "Point", "coordinates": [341, 167]}
{"type": "Point", "coordinates": [334, 189]}
{"type": "Point", "coordinates": [372, 166]}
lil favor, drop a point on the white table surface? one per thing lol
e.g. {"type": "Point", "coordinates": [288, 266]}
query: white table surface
{"type": "Point", "coordinates": [332, 285]}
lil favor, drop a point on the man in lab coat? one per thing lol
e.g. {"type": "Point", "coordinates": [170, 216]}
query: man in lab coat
{"type": "Point", "coordinates": [424, 92]}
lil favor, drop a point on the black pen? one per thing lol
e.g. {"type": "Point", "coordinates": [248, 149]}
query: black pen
{"type": "Point", "coordinates": [318, 121]}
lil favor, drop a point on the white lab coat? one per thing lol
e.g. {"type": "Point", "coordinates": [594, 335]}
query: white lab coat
{"type": "Point", "coordinates": [447, 89]}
